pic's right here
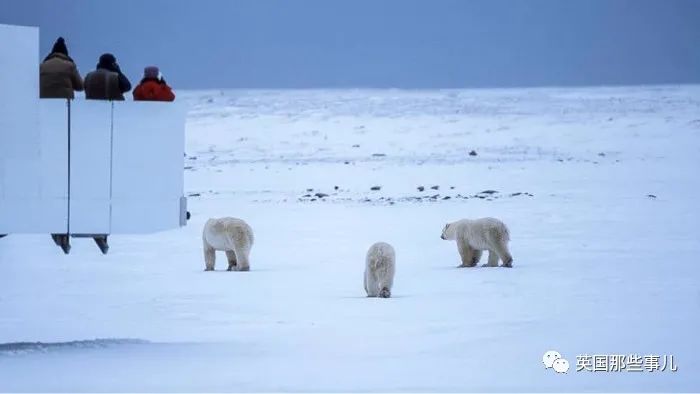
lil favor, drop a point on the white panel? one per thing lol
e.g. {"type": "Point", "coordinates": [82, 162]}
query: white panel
{"type": "Point", "coordinates": [33, 159]}
{"type": "Point", "coordinates": [90, 139]}
{"type": "Point", "coordinates": [19, 78]}
{"type": "Point", "coordinates": [148, 159]}
{"type": "Point", "coordinates": [53, 189]}
{"type": "Point", "coordinates": [35, 191]}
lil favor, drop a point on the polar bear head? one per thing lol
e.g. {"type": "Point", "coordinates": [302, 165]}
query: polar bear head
{"type": "Point", "coordinates": [448, 232]}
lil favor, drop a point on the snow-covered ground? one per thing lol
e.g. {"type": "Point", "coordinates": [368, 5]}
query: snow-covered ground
{"type": "Point", "coordinates": [599, 187]}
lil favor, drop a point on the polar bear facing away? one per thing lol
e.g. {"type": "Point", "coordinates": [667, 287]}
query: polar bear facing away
{"type": "Point", "coordinates": [380, 266]}
{"type": "Point", "coordinates": [475, 236]}
{"type": "Point", "coordinates": [234, 236]}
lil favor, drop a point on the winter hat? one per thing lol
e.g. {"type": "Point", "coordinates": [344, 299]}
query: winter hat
{"type": "Point", "coordinates": [151, 72]}
{"type": "Point", "coordinates": [60, 46]}
{"type": "Point", "coordinates": [107, 60]}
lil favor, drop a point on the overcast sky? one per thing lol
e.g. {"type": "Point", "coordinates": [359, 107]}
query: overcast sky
{"type": "Point", "coordinates": [378, 43]}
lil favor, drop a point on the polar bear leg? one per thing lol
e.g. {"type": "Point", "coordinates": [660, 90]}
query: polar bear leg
{"type": "Point", "coordinates": [493, 259]}
{"type": "Point", "coordinates": [504, 254]}
{"type": "Point", "coordinates": [466, 252]}
{"type": "Point", "coordinates": [242, 261]}
{"type": "Point", "coordinates": [371, 285]}
{"type": "Point", "coordinates": [385, 293]}
{"type": "Point", "coordinates": [231, 256]}
{"type": "Point", "coordinates": [209, 257]}
{"type": "Point", "coordinates": [241, 244]}
{"type": "Point", "coordinates": [477, 257]}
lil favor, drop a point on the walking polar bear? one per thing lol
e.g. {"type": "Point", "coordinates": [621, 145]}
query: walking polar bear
{"type": "Point", "coordinates": [475, 236]}
{"type": "Point", "coordinates": [234, 236]}
{"type": "Point", "coordinates": [380, 266]}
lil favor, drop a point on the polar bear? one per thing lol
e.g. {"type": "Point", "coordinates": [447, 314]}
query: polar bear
{"type": "Point", "coordinates": [234, 236]}
{"type": "Point", "coordinates": [380, 266]}
{"type": "Point", "coordinates": [475, 236]}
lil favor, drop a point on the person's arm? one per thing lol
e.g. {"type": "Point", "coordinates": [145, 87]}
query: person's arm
{"type": "Point", "coordinates": [137, 92]}
{"type": "Point", "coordinates": [168, 93]}
{"type": "Point", "coordinates": [124, 84]}
{"type": "Point", "coordinates": [77, 80]}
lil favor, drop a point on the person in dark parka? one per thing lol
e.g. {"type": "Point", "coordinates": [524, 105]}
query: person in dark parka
{"type": "Point", "coordinates": [58, 74]}
{"type": "Point", "coordinates": [107, 82]}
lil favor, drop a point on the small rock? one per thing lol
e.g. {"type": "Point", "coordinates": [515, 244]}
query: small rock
{"type": "Point", "coordinates": [436, 187]}
{"type": "Point", "coordinates": [336, 187]}
{"type": "Point", "coordinates": [313, 199]}
{"type": "Point", "coordinates": [375, 188]}
{"type": "Point", "coordinates": [472, 153]}
{"type": "Point", "coordinates": [446, 198]}
{"type": "Point", "coordinates": [651, 196]}
{"type": "Point", "coordinates": [515, 194]}
{"type": "Point", "coordinates": [347, 162]}
{"type": "Point", "coordinates": [421, 188]}
{"type": "Point", "coordinates": [378, 154]}
{"type": "Point", "coordinates": [452, 187]}
{"type": "Point", "coordinates": [193, 158]}
{"type": "Point", "coordinates": [601, 154]}
{"type": "Point", "coordinates": [309, 190]}
{"type": "Point", "coordinates": [321, 195]}
{"type": "Point", "coordinates": [489, 192]}
{"type": "Point", "coordinates": [356, 146]}
{"type": "Point", "coordinates": [194, 195]}
{"type": "Point", "coordinates": [307, 195]}
{"type": "Point", "coordinates": [434, 197]}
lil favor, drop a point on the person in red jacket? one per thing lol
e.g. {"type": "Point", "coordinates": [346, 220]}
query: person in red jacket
{"type": "Point", "coordinates": [153, 87]}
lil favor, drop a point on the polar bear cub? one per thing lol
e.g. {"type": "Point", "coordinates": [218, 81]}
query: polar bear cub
{"type": "Point", "coordinates": [234, 236]}
{"type": "Point", "coordinates": [475, 236]}
{"type": "Point", "coordinates": [380, 266]}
